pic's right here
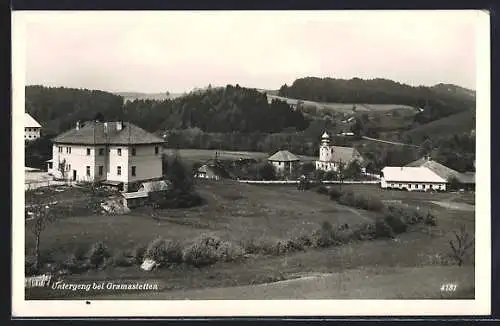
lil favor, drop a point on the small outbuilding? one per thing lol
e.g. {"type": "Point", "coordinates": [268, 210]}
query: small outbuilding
{"type": "Point", "coordinates": [284, 161]}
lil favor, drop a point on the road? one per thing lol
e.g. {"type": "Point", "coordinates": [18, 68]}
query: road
{"type": "Point", "coordinates": [388, 142]}
{"type": "Point", "coordinates": [366, 283]}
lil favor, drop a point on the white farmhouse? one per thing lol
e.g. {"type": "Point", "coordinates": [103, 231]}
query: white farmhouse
{"type": "Point", "coordinates": [31, 127]}
{"type": "Point", "coordinates": [116, 153]}
{"type": "Point", "coordinates": [331, 156]}
{"type": "Point", "coordinates": [411, 179]}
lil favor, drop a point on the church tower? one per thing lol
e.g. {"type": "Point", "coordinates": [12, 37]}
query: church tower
{"type": "Point", "coordinates": [325, 150]}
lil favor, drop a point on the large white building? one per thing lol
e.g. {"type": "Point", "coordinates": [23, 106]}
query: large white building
{"type": "Point", "coordinates": [414, 178]}
{"type": "Point", "coordinates": [331, 156]}
{"type": "Point", "coordinates": [116, 153]}
{"type": "Point", "coordinates": [31, 128]}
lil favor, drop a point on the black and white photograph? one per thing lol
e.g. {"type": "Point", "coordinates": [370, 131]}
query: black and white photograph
{"type": "Point", "coordinates": [203, 163]}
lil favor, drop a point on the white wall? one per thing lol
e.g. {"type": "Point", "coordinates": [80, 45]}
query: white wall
{"type": "Point", "coordinates": [325, 153]}
{"type": "Point", "coordinates": [116, 161]}
{"type": "Point", "coordinates": [76, 160]}
{"type": "Point", "coordinates": [148, 164]}
{"type": "Point", "coordinates": [31, 133]}
{"type": "Point", "coordinates": [326, 166]}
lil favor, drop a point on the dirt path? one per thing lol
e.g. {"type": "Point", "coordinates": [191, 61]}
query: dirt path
{"type": "Point", "coordinates": [388, 142]}
{"type": "Point", "coordinates": [455, 205]}
{"type": "Point", "coordinates": [395, 283]}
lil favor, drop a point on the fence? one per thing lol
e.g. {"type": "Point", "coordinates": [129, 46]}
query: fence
{"type": "Point", "coordinates": [31, 185]}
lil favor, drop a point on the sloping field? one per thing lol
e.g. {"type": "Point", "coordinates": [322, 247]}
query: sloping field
{"type": "Point", "coordinates": [233, 211]}
{"type": "Point", "coordinates": [206, 154]}
{"type": "Point", "coordinates": [456, 123]}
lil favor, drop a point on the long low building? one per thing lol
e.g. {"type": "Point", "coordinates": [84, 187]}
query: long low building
{"type": "Point", "coordinates": [411, 179]}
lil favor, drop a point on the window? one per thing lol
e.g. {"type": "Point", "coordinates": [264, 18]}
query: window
{"type": "Point", "coordinates": [68, 150]}
{"type": "Point", "coordinates": [119, 170]}
{"type": "Point", "coordinates": [101, 151]}
{"type": "Point", "coordinates": [133, 171]}
{"type": "Point", "coordinates": [88, 151]}
{"type": "Point", "coordinates": [60, 149]}
{"type": "Point", "coordinates": [156, 150]}
{"type": "Point", "coordinates": [133, 151]}
{"type": "Point", "coordinates": [119, 151]}
{"type": "Point", "coordinates": [100, 170]}
{"type": "Point", "coordinates": [88, 171]}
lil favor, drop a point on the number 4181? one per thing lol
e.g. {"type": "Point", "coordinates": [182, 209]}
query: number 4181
{"type": "Point", "coordinates": [449, 287]}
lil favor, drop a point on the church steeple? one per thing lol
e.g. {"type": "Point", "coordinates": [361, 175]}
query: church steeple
{"type": "Point", "coordinates": [325, 139]}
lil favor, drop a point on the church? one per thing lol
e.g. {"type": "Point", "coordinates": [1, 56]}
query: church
{"type": "Point", "coordinates": [331, 156]}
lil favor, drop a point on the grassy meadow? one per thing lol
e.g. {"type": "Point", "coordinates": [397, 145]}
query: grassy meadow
{"type": "Point", "coordinates": [248, 213]}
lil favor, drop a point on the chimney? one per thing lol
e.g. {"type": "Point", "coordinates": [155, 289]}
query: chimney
{"type": "Point", "coordinates": [105, 127]}
{"type": "Point", "coordinates": [119, 125]}
{"type": "Point", "coordinates": [78, 125]}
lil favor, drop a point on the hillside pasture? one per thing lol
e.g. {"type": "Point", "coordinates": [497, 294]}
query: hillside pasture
{"type": "Point", "coordinates": [200, 155]}
{"type": "Point", "coordinates": [345, 107]}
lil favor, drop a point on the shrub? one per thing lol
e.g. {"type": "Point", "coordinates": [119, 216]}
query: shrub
{"type": "Point", "coordinates": [323, 190]}
{"type": "Point", "coordinates": [334, 194]}
{"type": "Point", "coordinates": [323, 237]}
{"type": "Point", "coordinates": [430, 219]}
{"type": "Point", "coordinates": [98, 254]}
{"type": "Point", "coordinates": [163, 251]}
{"type": "Point", "coordinates": [396, 223]}
{"type": "Point", "coordinates": [461, 245]}
{"type": "Point", "coordinates": [138, 252]}
{"type": "Point", "coordinates": [364, 231]}
{"type": "Point", "coordinates": [208, 249]}
{"type": "Point", "coordinates": [121, 260]}
{"type": "Point", "coordinates": [382, 229]}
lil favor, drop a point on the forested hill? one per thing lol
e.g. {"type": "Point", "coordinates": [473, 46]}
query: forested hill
{"type": "Point", "coordinates": [229, 109]}
{"type": "Point", "coordinates": [438, 101]}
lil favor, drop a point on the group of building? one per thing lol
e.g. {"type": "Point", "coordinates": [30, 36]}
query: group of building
{"type": "Point", "coordinates": [122, 154]}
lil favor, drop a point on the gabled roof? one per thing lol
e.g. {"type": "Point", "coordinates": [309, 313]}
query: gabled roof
{"type": "Point", "coordinates": [154, 186]}
{"type": "Point", "coordinates": [441, 170]}
{"type": "Point", "coordinates": [345, 154]}
{"type": "Point", "coordinates": [283, 156]}
{"type": "Point", "coordinates": [100, 133]}
{"type": "Point", "coordinates": [410, 174]}
{"type": "Point", "coordinates": [29, 122]}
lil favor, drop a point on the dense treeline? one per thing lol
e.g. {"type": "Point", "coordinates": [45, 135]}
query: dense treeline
{"type": "Point", "coordinates": [229, 109]}
{"type": "Point", "coordinates": [437, 101]}
{"type": "Point", "coordinates": [57, 108]}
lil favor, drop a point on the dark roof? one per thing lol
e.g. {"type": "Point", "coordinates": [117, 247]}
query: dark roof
{"type": "Point", "coordinates": [100, 133]}
{"type": "Point", "coordinates": [467, 178]}
{"type": "Point", "coordinates": [346, 154]}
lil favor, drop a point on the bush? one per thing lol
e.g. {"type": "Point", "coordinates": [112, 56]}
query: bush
{"type": "Point", "coordinates": [364, 231]}
{"type": "Point", "coordinates": [97, 255]}
{"type": "Point", "coordinates": [208, 249]}
{"type": "Point", "coordinates": [323, 237]}
{"type": "Point", "coordinates": [163, 251]}
{"type": "Point", "coordinates": [334, 194]}
{"type": "Point", "coordinates": [138, 252]}
{"type": "Point", "coordinates": [430, 220]}
{"type": "Point", "coordinates": [382, 229]}
{"type": "Point", "coordinates": [396, 223]}
{"type": "Point", "coordinates": [121, 260]}
{"type": "Point", "coordinates": [323, 190]}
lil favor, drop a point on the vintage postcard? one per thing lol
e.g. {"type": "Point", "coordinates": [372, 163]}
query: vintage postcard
{"type": "Point", "coordinates": [251, 163]}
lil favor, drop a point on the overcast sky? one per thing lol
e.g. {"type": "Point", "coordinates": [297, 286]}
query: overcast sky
{"type": "Point", "coordinates": [177, 51]}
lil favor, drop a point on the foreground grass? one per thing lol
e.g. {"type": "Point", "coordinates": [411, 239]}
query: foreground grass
{"type": "Point", "coordinates": [411, 261]}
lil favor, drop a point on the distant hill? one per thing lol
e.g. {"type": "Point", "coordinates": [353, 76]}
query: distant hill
{"type": "Point", "coordinates": [131, 96]}
{"type": "Point", "coordinates": [436, 102]}
{"type": "Point", "coordinates": [462, 122]}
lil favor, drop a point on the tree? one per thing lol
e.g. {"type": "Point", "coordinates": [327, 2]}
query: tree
{"type": "Point", "coordinates": [353, 170]}
{"type": "Point", "coordinates": [461, 245]}
{"type": "Point", "coordinates": [179, 175]}
{"type": "Point", "coordinates": [99, 117]}
{"type": "Point", "coordinates": [41, 215]}
{"type": "Point", "coordinates": [453, 183]}
{"type": "Point", "coordinates": [266, 171]}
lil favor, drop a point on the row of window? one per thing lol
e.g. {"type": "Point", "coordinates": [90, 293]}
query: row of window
{"type": "Point", "coordinates": [118, 170]}
{"type": "Point", "coordinates": [414, 186]}
{"type": "Point", "coordinates": [30, 129]}
{"type": "Point", "coordinates": [30, 136]}
{"type": "Point", "coordinates": [101, 150]}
